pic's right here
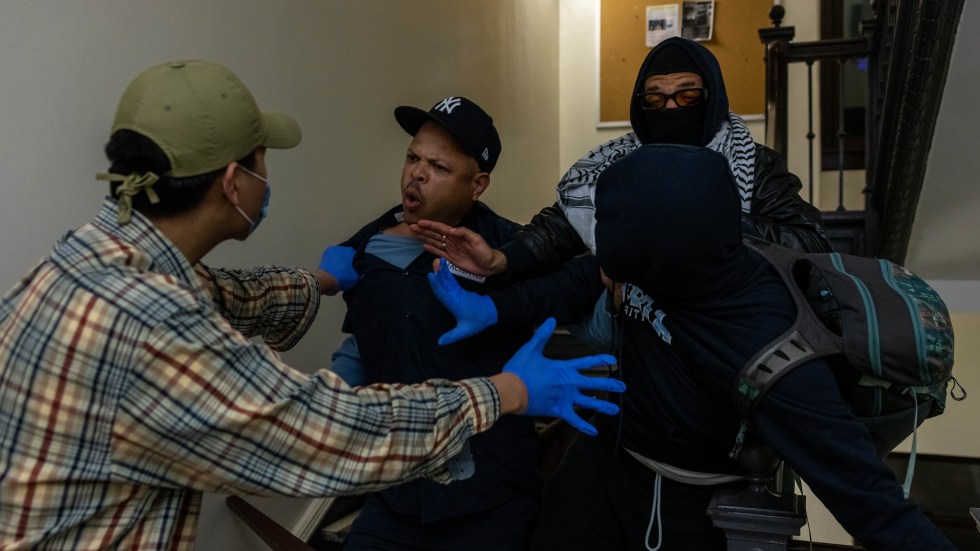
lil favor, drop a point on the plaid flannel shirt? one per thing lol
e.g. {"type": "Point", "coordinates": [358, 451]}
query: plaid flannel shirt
{"type": "Point", "coordinates": [129, 386]}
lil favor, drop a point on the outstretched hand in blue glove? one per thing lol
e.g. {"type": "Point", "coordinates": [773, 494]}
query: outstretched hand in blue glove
{"type": "Point", "coordinates": [473, 312]}
{"type": "Point", "coordinates": [338, 261]}
{"type": "Point", "coordinates": [554, 387]}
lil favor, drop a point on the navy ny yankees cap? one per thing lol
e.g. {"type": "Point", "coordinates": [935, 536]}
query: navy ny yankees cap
{"type": "Point", "coordinates": [465, 120]}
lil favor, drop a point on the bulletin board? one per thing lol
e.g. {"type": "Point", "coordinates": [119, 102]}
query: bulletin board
{"type": "Point", "coordinates": [735, 42]}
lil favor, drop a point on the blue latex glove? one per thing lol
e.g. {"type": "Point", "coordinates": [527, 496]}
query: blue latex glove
{"type": "Point", "coordinates": [339, 262]}
{"type": "Point", "coordinates": [473, 312]}
{"type": "Point", "coordinates": [554, 387]}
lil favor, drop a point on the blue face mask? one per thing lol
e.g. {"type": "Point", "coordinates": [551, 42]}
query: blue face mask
{"type": "Point", "coordinates": [265, 202]}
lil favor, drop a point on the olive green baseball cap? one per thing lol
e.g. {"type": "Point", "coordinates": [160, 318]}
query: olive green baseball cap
{"type": "Point", "coordinates": [201, 115]}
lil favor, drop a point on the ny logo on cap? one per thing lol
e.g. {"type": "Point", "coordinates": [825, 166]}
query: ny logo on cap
{"type": "Point", "coordinates": [447, 105]}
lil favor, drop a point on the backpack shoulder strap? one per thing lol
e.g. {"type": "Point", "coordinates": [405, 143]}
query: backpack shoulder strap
{"type": "Point", "coordinates": [805, 340]}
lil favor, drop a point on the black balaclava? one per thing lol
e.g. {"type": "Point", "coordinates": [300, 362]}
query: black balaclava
{"type": "Point", "coordinates": [694, 125]}
{"type": "Point", "coordinates": [668, 221]}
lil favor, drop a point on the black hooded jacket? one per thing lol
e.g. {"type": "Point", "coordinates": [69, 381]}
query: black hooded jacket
{"type": "Point", "coordinates": [777, 212]}
{"type": "Point", "coordinates": [697, 304]}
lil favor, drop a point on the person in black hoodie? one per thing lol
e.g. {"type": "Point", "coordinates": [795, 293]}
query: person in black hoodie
{"type": "Point", "coordinates": [696, 305]}
{"type": "Point", "coordinates": [769, 200]}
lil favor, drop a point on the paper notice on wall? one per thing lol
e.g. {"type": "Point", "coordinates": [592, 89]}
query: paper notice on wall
{"type": "Point", "coordinates": [662, 23]}
{"type": "Point", "coordinates": [699, 19]}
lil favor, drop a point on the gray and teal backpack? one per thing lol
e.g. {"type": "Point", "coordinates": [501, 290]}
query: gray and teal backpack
{"type": "Point", "coordinates": [885, 332]}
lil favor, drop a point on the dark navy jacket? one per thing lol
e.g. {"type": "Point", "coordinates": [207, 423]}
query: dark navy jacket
{"type": "Point", "coordinates": [397, 321]}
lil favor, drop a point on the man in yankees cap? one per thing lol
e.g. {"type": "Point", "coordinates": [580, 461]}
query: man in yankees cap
{"type": "Point", "coordinates": [396, 321]}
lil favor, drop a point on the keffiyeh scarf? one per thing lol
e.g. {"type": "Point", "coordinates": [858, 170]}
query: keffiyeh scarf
{"type": "Point", "coordinates": [576, 190]}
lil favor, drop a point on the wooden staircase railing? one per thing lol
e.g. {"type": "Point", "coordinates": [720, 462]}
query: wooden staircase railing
{"type": "Point", "coordinates": [908, 45]}
{"type": "Point", "coordinates": [846, 229]}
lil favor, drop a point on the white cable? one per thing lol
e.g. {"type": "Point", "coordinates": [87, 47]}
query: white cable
{"type": "Point", "coordinates": [655, 513]}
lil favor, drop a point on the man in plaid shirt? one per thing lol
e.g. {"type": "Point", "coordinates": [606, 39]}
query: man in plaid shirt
{"type": "Point", "coordinates": [129, 385]}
